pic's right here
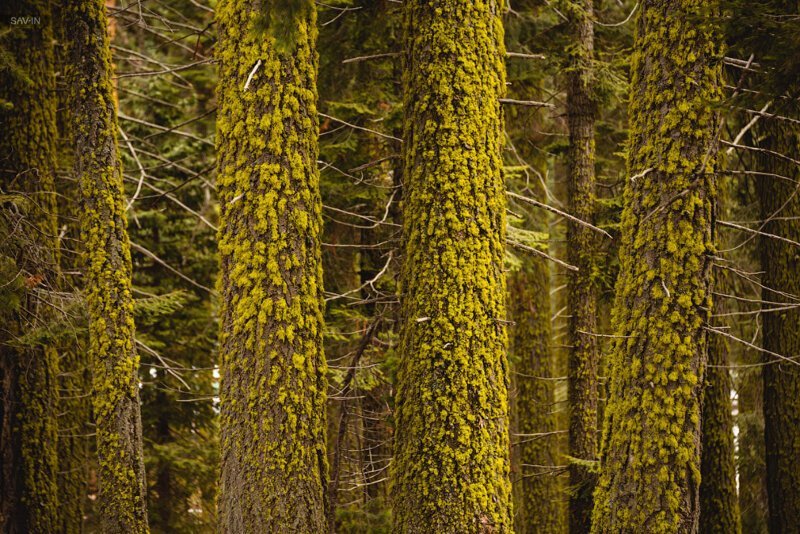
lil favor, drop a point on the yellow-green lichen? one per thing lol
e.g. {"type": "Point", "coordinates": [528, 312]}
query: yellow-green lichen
{"type": "Point", "coordinates": [274, 467]}
{"type": "Point", "coordinates": [115, 361]}
{"type": "Point", "coordinates": [451, 467]}
{"type": "Point", "coordinates": [663, 300]}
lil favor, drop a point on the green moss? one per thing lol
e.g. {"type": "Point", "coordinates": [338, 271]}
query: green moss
{"type": "Point", "coordinates": [451, 465]}
{"type": "Point", "coordinates": [273, 392]}
{"type": "Point", "coordinates": [658, 358]}
{"type": "Point", "coordinates": [29, 373]}
{"type": "Point", "coordinates": [115, 361]}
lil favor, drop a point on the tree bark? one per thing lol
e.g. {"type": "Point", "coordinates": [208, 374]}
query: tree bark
{"type": "Point", "coordinates": [273, 421]}
{"type": "Point", "coordinates": [780, 208]}
{"type": "Point", "coordinates": [650, 472]}
{"type": "Point", "coordinates": [719, 504]}
{"type": "Point", "coordinates": [581, 285]}
{"type": "Point", "coordinates": [115, 361]}
{"type": "Point", "coordinates": [540, 494]}
{"type": "Point", "coordinates": [451, 465]}
{"type": "Point", "coordinates": [28, 274]}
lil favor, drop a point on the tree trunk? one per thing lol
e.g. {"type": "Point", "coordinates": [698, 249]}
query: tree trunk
{"type": "Point", "coordinates": [650, 472]}
{"type": "Point", "coordinates": [451, 465]}
{"type": "Point", "coordinates": [540, 494]}
{"type": "Point", "coordinates": [274, 465]}
{"type": "Point", "coordinates": [581, 285]}
{"type": "Point", "coordinates": [719, 505]}
{"type": "Point", "coordinates": [28, 275]}
{"type": "Point", "coordinates": [753, 504]}
{"type": "Point", "coordinates": [780, 207]}
{"type": "Point", "coordinates": [112, 347]}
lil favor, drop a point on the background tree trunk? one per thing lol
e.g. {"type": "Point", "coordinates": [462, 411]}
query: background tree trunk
{"type": "Point", "coordinates": [719, 505]}
{"type": "Point", "coordinates": [540, 496]}
{"type": "Point", "coordinates": [780, 208]}
{"type": "Point", "coordinates": [583, 349]}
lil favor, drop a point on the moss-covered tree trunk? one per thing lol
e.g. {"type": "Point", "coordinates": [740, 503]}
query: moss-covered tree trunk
{"type": "Point", "coordinates": [115, 362]}
{"type": "Point", "coordinates": [274, 467]}
{"type": "Point", "coordinates": [581, 285]}
{"type": "Point", "coordinates": [780, 208]}
{"type": "Point", "coordinates": [650, 472]}
{"type": "Point", "coordinates": [28, 273]}
{"type": "Point", "coordinates": [719, 504]}
{"type": "Point", "coordinates": [539, 495]}
{"type": "Point", "coordinates": [75, 376]}
{"type": "Point", "coordinates": [451, 465]}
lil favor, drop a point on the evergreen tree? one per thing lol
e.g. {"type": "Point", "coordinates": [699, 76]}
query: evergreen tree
{"type": "Point", "coordinates": [274, 466]}
{"type": "Point", "coordinates": [770, 31]}
{"type": "Point", "coordinates": [451, 463]}
{"type": "Point", "coordinates": [581, 284]}
{"type": "Point", "coordinates": [529, 307]}
{"type": "Point", "coordinates": [112, 344]}
{"type": "Point", "coordinates": [650, 472]}
{"type": "Point", "coordinates": [780, 209]}
{"type": "Point", "coordinates": [28, 272]}
{"type": "Point", "coordinates": [719, 507]}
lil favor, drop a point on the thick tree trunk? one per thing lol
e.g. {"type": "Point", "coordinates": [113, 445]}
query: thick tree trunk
{"type": "Point", "coordinates": [115, 361]}
{"type": "Point", "coordinates": [650, 472]}
{"type": "Point", "coordinates": [540, 497]}
{"type": "Point", "coordinates": [780, 207]}
{"type": "Point", "coordinates": [274, 465]}
{"type": "Point", "coordinates": [451, 466]}
{"type": "Point", "coordinates": [581, 285]}
{"type": "Point", "coordinates": [28, 274]}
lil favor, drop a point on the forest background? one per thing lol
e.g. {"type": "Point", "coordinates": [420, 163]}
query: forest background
{"type": "Point", "coordinates": [165, 79]}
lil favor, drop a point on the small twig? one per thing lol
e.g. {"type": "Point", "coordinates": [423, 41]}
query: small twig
{"type": "Point", "coordinates": [250, 76]}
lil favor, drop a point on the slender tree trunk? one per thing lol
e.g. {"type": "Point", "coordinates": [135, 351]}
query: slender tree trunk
{"type": "Point", "coordinates": [719, 505]}
{"type": "Point", "coordinates": [451, 466]}
{"type": "Point", "coordinates": [753, 503]}
{"type": "Point", "coordinates": [581, 285]}
{"type": "Point", "coordinates": [112, 347]}
{"type": "Point", "coordinates": [28, 274]}
{"type": "Point", "coordinates": [274, 465]}
{"type": "Point", "coordinates": [73, 438]}
{"type": "Point", "coordinates": [650, 473]}
{"type": "Point", "coordinates": [780, 207]}
{"type": "Point", "coordinates": [540, 494]}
